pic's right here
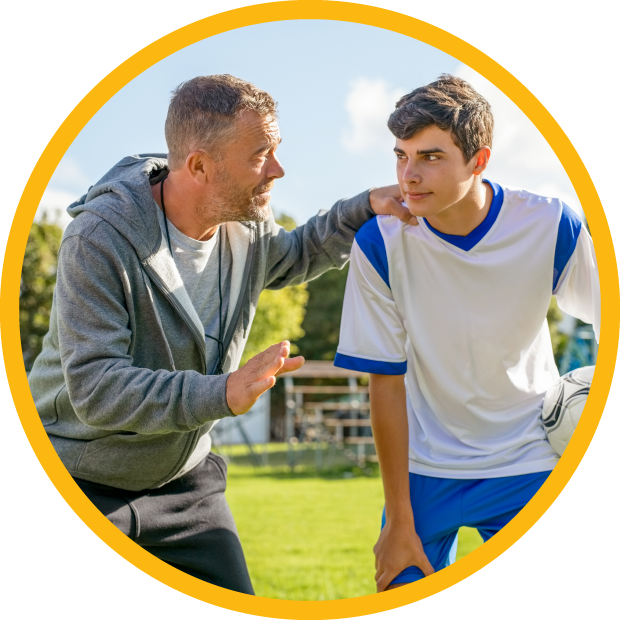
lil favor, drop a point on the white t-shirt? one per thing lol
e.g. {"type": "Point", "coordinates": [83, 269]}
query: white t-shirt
{"type": "Point", "coordinates": [199, 266]}
{"type": "Point", "coordinates": [464, 319]}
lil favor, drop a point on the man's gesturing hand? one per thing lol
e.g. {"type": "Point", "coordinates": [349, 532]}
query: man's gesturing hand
{"type": "Point", "coordinates": [245, 385]}
{"type": "Point", "coordinates": [387, 201]}
{"type": "Point", "coordinates": [398, 548]}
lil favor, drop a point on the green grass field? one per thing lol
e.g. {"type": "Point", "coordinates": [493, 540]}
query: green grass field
{"type": "Point", "coordinates": [309, 535]}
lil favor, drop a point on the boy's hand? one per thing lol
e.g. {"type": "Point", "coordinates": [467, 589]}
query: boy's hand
{"type": "Point", "coordinates": [398, 548]}
{"type": "Point", "coordinates": [387, 201]}
{"type": "Point", "coordinates": [245, 385]}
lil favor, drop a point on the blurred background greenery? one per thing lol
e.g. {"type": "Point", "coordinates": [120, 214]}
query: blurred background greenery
{"type": "Point", "coordinates": [37, 286]}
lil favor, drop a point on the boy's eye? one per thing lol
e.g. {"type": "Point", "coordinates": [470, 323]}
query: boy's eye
{"type": "Point", "coordinates": [433, 157]}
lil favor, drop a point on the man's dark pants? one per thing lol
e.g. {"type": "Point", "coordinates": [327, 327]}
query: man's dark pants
{"type": "Point", "coordinates": [186, 523]}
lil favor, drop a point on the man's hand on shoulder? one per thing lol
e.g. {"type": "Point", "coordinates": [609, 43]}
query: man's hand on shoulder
{"type": "Point", "coordinates": [245, 385]}
{"type": "Point", "coordinates": [388, 201]}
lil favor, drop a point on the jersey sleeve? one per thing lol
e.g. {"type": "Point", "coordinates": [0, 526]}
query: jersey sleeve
{"type": "Point", "coordinates": [372, 334]}
{"type": "Point", "coordinates": [576, 284]}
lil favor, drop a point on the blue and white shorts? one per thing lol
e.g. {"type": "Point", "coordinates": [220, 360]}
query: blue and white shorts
{"type": "Point", "coordinates": [442, 505]}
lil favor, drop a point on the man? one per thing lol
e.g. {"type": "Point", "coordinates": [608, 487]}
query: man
{"type": "Point", "coordinates": [457, 305]}
{"type": "Point", "coordinates": [158, 280]}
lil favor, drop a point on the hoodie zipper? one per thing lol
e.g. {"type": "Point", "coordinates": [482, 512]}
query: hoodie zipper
{"type": "Point", "coordinates": [198, 337]}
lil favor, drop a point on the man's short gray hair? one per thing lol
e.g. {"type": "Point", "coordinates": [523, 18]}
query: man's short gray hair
{"type": "Point", "coordinates": [203, 113]}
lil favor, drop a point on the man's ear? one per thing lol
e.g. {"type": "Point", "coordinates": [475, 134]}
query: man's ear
{"type": "Point", "coordinates": [200, 167]}
{"type": "Point", "coordinates": [482, 160]}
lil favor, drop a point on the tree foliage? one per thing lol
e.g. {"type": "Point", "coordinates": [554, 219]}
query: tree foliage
{"type": "Point", "coordinates": [279, 314]}
{"type": "Point", "coordinates": [322, 322]}
{"type": "Point", "coordinates": [37, 287]}
{"type": "Point", "coordinates": [558, 339]}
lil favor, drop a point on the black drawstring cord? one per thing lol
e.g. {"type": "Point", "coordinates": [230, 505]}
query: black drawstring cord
{"type": "Point", "coordinates": [219, 369]}
{"type": "Point", "coordinates": [163, 208]}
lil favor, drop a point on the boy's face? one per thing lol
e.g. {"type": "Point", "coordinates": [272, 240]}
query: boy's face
{"type": "Point", "coordinates": [432, 172]}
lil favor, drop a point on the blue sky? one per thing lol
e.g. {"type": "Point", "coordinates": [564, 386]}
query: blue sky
{"type": "Point", "coordinates": [335, 84]}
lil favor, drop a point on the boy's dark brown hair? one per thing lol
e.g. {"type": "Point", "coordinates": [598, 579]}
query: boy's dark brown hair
{"type": "Point", "coordinates": [451, 104]}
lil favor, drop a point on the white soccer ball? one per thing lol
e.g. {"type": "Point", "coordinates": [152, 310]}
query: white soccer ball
{"type": "Point", "coordinates": [563, 405]}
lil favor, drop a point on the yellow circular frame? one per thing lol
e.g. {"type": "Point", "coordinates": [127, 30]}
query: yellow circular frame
{"type": "Point", "coordinates": [281, 11]}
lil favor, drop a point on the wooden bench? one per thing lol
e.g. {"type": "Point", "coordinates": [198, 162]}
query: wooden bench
{"type": "Point", "coordinates": [315, 417]}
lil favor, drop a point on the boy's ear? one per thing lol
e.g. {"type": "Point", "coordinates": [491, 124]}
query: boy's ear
{"type": "Point", "coordinates": [482, 160]}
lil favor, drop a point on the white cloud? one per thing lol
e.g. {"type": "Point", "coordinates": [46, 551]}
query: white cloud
{"type": "Point", "coordinates": [521, 156]}
{"type": "Point", "coordinates": [54, 203]}
{"type": "Point", "coordinates": [369, 104]}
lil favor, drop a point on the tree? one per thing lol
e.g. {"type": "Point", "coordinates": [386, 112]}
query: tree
{"type": "Point", "coordinates": [279, 314]}
{"type": "Point", "coordinates": [558, 339]}
{"type": "Point", "coordinates": [322, 322]}
{"type": "Point", "coordinates": [37, 286]}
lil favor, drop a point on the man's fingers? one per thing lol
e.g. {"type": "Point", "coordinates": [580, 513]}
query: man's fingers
{"type": "Point", "coordinates": [270, 361]}
{"type": "Point", "coordinates": [267, 356]}
{"type": "Point", "coordinates": [254, 390]}
{"type": "Point", "coordinates": [290, 364]}
{"type": "Point", "coordinates": [274, 361]}
{"type": "Point", "coordinates": [270, 367]}
{"type": "Point", "coordinates": [389, 201]}
{"type": "Point", "coordinates": [245, 385]}
{"type": "Point", "coordinates": [400, 210]}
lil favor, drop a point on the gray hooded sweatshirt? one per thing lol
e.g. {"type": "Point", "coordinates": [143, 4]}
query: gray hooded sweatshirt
{"type": "Point", "coordinates": [121, 384]}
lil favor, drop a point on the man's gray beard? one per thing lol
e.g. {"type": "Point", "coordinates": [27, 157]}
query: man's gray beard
{"type": "Point", "coordinates": [229, 211]}
{"type": "Point", "coordinates": [231, 206]}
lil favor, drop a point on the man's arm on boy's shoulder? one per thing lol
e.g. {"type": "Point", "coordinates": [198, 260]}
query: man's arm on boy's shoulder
{"type": "Point", "coordinates": [324, 241]}
{"type": "Point", "coordinates": [398, 546]}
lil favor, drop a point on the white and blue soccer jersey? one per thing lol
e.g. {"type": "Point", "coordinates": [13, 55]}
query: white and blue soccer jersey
{"type": "Point", "coordinates": [464, 319]}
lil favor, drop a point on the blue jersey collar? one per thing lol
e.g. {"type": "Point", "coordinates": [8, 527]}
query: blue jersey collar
{"type": "Point", "coordinates": [473, 238]}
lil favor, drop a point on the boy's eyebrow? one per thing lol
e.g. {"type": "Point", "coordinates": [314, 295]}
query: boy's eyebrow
{"type": "Point", "coordinates": [424, 152]}
{"type": "Point", "coordinates": [431, 151]}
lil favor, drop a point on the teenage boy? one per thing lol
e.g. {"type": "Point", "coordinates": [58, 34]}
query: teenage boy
{"type": "Point", "coordinates": [457, 305]}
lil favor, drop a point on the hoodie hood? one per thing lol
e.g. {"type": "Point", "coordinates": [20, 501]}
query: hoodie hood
{"type": "Point", "coordinates": [122, 197]}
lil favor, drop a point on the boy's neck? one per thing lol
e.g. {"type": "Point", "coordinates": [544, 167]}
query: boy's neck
{"type": "Point", "coordinates": [464, 216]}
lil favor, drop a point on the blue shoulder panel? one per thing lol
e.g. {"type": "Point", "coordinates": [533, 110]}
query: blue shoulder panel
{"type": "Point", "coordinates": [375, 367]}
{"type": "Point", "coordinates": [568, 233]}
{"type": "Point", "coordinates": [370, 241]}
